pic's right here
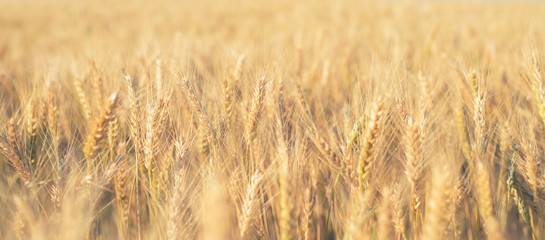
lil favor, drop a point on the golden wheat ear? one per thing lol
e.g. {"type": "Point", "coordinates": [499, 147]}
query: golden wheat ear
{"type": "Point", "coordinates": [256, 110]}
{"type": "Point", "coordinates": [98, 133]}
{"type": "Point", "coordinates": [374, 126]}
{"type": "Point", "coordinates": [250, 205]}
{"type": "Point", "coordinates": [198, 109]}
{"type": "Point", "coordinates": [15, 158]}
{"type": "Point", "coordinates": [413, 164]}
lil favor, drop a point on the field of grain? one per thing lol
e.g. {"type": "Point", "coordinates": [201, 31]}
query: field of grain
{"type": "Point", "coordinates": [272, 120]}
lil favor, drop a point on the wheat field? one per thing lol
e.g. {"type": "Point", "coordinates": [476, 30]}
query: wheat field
{"type": "Point", "coordinates": [272, 120]}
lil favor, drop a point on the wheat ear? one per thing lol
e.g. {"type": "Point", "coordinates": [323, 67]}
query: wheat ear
{"type": "Point", "coordinates": [97, 135]}
{"type": "Point", "coordinates": [134, 113]}
{"type": "Point", "coordinates": [255, 111]}
{"type": "Point", "coordinates": [536, 85]}
{"type": "Point", "coordinates": [199, 110]}
{"type": "Point", "coordinates": [15, 159]}
{"type": "Point", "coordinates": [372, 132]}
{"type": "Point", "coordinates": [306, 215]}
{"type": "Point", "coordinates": [250, 205]}
{"type": "Point", "coordinates": [413, 164]}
